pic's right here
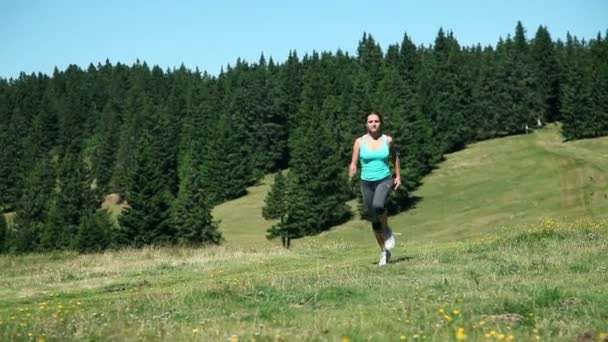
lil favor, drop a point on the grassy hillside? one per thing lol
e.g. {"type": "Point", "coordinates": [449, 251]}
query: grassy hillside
{"type": "Point", "coordinates": [507, 242]}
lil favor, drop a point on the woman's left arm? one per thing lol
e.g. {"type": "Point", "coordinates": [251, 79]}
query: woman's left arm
{"type": "Point", "coordinates": [395, 160]}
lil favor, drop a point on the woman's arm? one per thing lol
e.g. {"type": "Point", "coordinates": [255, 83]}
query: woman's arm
{"type": "Point", "coordinates": [395, 160]}
{"type": "Point", "coordinates": [355, 158]}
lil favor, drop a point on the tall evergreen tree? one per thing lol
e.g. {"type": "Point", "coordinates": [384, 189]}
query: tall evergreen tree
{"type": "Point", "coordinates": [547, 73]}
{"type": "Point", "coordinates": [3, 232]}
{"type": "Point", "coordinates": [72, 200]}
{"type": "Point", "coordinates": [33, 205]}
{"type": "Point", "coordinates": [577, 99]}
{"type": "Point", "coordinates": [443, 93]}
{"type": "Point", "coordinates": [11, 160]}
{"type": "Point", "coordinates": [319, 187]}
{"type": "Point", "coordinates": [275, 203]}
{"type": "Point", "coordinates": [94, 232]}
{"type": "Point", "coordinates": [192, 219]}
{"type": "Point", "coordinates": [147, 220]}
{"type": "Point", "coordinates": [598, 49]}
{"type": "Point", "coordinates": [104, 156]}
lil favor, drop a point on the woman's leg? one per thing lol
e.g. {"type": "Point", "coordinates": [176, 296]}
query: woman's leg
{"type": "Point", "coordinates": [378, 233]}
{"type": "Point", "coordinates": [368, 190]}
{"type": "Point", "coordinates": [383, 190]}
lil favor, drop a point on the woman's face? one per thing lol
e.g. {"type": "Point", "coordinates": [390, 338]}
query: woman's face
{"type": "Point", "coordinates": [373, 123]}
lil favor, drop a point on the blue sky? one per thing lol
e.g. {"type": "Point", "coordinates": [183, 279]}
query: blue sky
{"type": "Point", "coordinates": [38, 35]}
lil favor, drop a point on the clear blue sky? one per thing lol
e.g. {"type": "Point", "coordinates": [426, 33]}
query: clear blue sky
{"type": "Point", "coordinates": [37, 35]}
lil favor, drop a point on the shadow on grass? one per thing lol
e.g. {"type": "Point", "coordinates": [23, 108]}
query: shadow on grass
{"type": "Point", "coordinates": [396, 260]}
{"type": "Point", "coordinates": [400, 259]}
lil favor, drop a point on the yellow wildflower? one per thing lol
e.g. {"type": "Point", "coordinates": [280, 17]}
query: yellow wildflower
{"type": "Point", "coordinates": [460, 335]}
{"type": "Point", "coordinates": [456, 311]}
{"type": "Point", "coordinates": [447, 318]}
{"type": "Point", "coordinates": [403, 338]}
{"type": "Point", "coordinates": [345, 339]}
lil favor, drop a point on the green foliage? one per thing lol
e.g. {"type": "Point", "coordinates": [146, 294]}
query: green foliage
{"type": "Point", "coordinates": [547, 72]}
{"type": "Point", "coordinates": [72, 200]}
{"type": "Point", "coordinates": [257, 118]}
{"type": "Point", "coordinates": [3, 232]}
{"type": "Point", "coordinates": [275, 203]}
{"type": "Point", "coordinates": [146, 221]}
{"type": "Point", "coordinates": [104, 156]}
{"type": "Point", "coordinates": [94, 232]}
{"type": "Point", "coordinates": [192, 218]}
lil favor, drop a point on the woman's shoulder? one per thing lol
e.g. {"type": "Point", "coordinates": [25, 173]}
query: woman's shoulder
{"type": "Point", "coordinates": [389, 139]}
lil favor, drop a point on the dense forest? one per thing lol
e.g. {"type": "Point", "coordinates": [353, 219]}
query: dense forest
{"type": "Point", "coordinates": [174, 143]}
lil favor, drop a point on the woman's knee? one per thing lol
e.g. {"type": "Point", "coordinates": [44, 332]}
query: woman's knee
{"type": "Point", "coordinates": [378, 209]}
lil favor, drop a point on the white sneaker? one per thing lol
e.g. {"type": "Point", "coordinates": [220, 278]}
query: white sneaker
{"type": "Point", "coordinates": [384, 257]}
{"type": "Point", "coordinates": [389, 239]}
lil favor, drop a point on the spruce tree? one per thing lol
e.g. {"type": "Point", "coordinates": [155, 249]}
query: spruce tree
{"type": "Point", "coordinates": [598, 49]}
{"type": "Point", "coordinates": [577, 99]}
{"type": "Point", "coordinates": [3, 232]}
{"type": "Point", "coordinates": [192, 217]}
{"type": "Point", "coordinates": [33, 205]}
{"type": "Point", "coordinates": [192, 220]}
{"type": "Point", "coordinates": [543, 55]}
{"type": "Point", "coordinates": [73, 199]}
{"type": "Point", "coordinates": [94, 232]}
{"type": "Point", "coordinates": [147, 220]}
{"type": "Point", "coordinates": [104, 156]}
{"type": "Point", "coordinates": [275, 203]}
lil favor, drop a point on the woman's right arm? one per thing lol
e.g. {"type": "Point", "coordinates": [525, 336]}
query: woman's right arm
{"type": "Point", "coordinates": [355, 158]}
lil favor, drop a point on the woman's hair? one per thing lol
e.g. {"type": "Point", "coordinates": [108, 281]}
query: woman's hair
{"type": "Point", "coordinates": [374, 113]}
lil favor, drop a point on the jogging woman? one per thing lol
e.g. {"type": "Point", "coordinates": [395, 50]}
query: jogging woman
{"type": "Point", "coordinates": [374, 150]}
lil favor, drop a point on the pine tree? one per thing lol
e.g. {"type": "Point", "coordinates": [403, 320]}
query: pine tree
{"type": "Point", "coordinates": [275, 203]}
{"type": "Point", "coordinates": [577, 98]}
{"type": "Point", "coordinates": [73, 199]}
{"type": "Point", "coordinates": [147, 220]}
{"type": "Point", "coordinates": [3, 232]}
{"type": "Point", "coordinates": [318, 185]}
{"type": "Point", "coordinates": [547, 73]}
{"type": "Point", "coordinates": [94, 232]}
{"type": "Point", "coordinates": [11, 160]}
{"type": "Point", "coordinates": [276, 208]}
{"type": "Point", "coordinates": [192, 220]}
{"type": "Point", "coordinates": [192, 217]}
{"type": "Point", "coordinates": [526, 100]}
{"type": "Point", "coordinates": [104, 156]}
{"type": "Point", "coordinates": [442, 93]}
{"type": "Point", "coordinates": [598, 49]}
{"type": "Point", "coordinates": [33, 205]}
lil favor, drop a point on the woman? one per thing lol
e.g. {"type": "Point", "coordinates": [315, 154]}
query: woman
{"type": "Point", "coordinates": [374, 150]}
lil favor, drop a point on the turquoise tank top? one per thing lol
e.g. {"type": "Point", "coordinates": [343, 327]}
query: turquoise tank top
{"type": "Point", "coordinates": [374, 163]}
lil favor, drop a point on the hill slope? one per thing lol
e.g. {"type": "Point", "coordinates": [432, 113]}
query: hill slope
{"type": "Point", "coordinates": [538, 279]}
{"type": "Point", "coordinates": [491, 184]}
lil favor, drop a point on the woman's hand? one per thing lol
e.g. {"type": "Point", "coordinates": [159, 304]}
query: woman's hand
{"type": "Point", "coordinates": [397, 182]}
{"type": "Point", "coordinates": [352, 170]}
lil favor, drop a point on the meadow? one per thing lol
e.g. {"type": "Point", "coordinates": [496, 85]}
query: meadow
{"type": "Point", "coordinates": [508, 241]}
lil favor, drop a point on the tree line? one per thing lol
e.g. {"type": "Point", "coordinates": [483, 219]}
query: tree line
{"type": "Point", "coordinates": [174, 143]}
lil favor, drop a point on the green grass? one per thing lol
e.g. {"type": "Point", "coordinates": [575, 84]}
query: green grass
{"type": "Point", "coordinates": [478, 253]}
